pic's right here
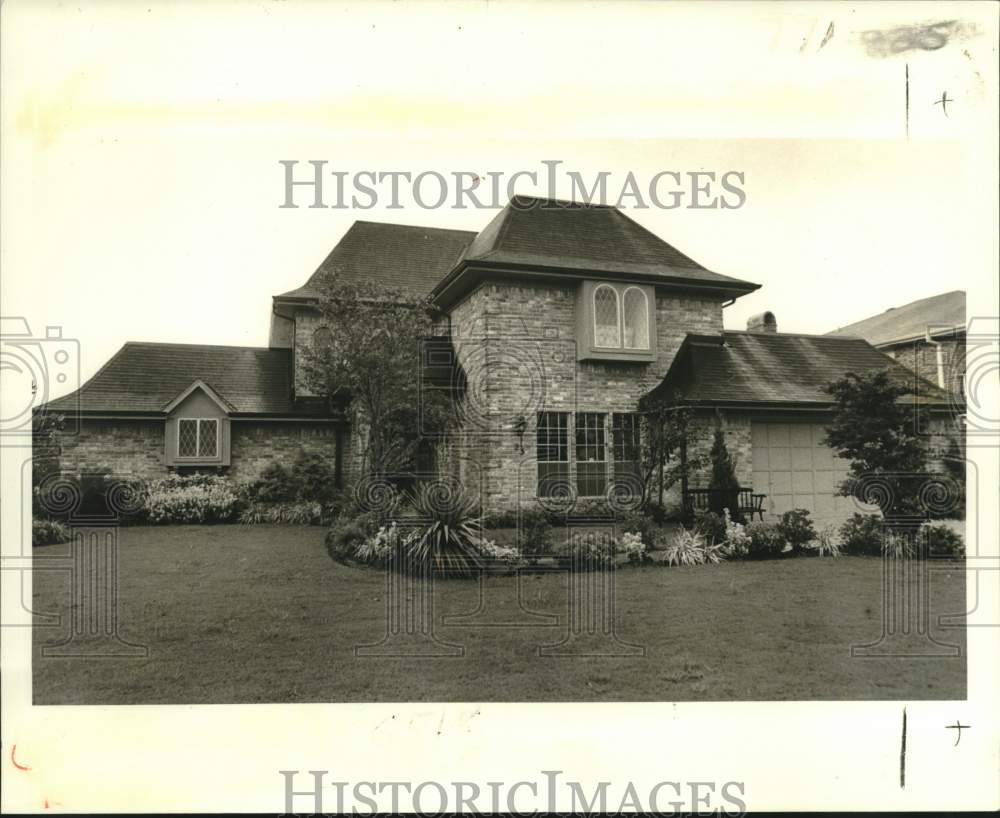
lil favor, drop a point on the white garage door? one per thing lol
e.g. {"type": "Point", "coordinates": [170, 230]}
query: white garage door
{"type": "Point", "coordinates": [795, 470]}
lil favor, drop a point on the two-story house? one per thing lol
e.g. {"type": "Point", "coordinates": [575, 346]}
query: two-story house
{"type": "Point", "coordinates": [560, 318]}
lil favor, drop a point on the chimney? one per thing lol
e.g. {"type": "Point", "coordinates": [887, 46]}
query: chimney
{"type": "Point", "coordinates": [762, 322]}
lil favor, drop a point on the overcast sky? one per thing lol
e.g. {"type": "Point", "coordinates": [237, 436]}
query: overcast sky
{"type": "Point", "coordinates": [141, 147]}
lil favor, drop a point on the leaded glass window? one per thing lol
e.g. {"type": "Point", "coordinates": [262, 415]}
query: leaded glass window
{"type": "Point", "coordinates": [606, 329]}
{"type": "Point", "coordinates": [635, 312]}
{"type": "Point", "coordinates": [198, 437]}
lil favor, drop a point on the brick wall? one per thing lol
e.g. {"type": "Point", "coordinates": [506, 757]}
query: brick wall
{"type": "Point", "coordinates": [921, 357]}
{"type": "Point", "coordinates": [257, 444]}
{"type": "Point", "coordinates": [135, 448]}
{"type": "Point", "coordinates": [122, 447]}
{"type": "Point", "coordinates": [517, 345]}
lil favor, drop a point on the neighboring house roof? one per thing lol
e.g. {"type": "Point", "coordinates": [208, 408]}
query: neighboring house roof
{"type": "Point", "coordinates": [776, 368]}
{"type": "Point", "coordinates": [911, 321]}
{"type": "Point", "coordinates": [145, 378]}
{"type": "Point", "coordinates": [539, 234]}
{"type": "Point", "coordinates": [411, 258]}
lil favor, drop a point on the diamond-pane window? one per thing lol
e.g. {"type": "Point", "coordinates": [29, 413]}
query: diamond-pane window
{"type": "Point", "coordinates": [187, 438]}
{"type": "Point", "coordinates": [635, 310]}
{"type": "Point", "coordinates": [208, 438]}
{"type": "Point", "coordinates": [606, 330]}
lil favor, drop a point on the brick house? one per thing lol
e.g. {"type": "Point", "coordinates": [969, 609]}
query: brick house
{"type": "Point", "coordinates": [925, 336]}
{"type": "Point", "coordinates": [557, 317]}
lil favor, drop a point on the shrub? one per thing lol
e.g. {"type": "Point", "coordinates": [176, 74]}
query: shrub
{"type": "Point", "coordinates": [826, 542]}
{"type": "Point", "coordinates": [535, 533]}
{"type": "Point", "coordinates": [450, 541]}
{"type": "Point", "coordinates": [386, 543]}
{"type": "Point", "coordinates": [192, 499]}
{"type": "Point", "coordinates": [766, 540]}
{"type": "Point", "coordinates": [346, 536]}
{"type": "Point", "coordinates": [49, 532]}
{"type": "Point", "coordinates": [641, 524]}
{"type": "Point", "coordinates": [634, 549]}
{"type": "Point", "coordinates": [897, 544]}
{"type": "Point", "coordinates": [723, 482]}
{"type": "Point", "coordinates": [501, 554]}
{"type": "Point", "coordinates": [590, 550]}
{"type": "Point", "coordinates": [687, 548]}
{"type": "Point", "coordinates": [711, 526]}
{"type": "Point", "coordinates": [942, 541]}
{"type": "Point", "coordinates": [797, 528]}
{"type": "Point", "coordinates": [737, 541]}
{"type": "Point", "coordinates": [310, 478]}
{"type": "Point", "coordinates": [862, 535]}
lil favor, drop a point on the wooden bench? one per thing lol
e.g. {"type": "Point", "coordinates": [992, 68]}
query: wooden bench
{"type": "Point", "coordinates": [743, 504]}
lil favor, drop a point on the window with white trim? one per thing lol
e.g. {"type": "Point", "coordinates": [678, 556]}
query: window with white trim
{"type": "Point", "coordinates": [635, 319]}
{"type": "Point", "coordinates": [552, 453]}
{"type": "Point", "coordinates": [607, 332]}
{"type": "Point", "coordinates": [591, 455]}
{"type": "Point", "coordinates": [197, 437]}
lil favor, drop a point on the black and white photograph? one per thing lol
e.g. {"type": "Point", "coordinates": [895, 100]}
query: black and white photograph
{"type": "Point", "coordinates": [493, 407]}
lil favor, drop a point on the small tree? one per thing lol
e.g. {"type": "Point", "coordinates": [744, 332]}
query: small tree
{"type": "Point", "coordinates": [724, 485]}
{"type": "Point", "coordinates": [666, 445]}
{"type": "Point", "coordinates": [878, 435]}
{"type": "Point", "coordinates": [367, 352]}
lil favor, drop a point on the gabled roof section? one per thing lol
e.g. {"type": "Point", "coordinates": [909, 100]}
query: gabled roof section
{"type": "Point", "coordinates": [944, 312]}
{"type": "Point", "coordinates": [585, 239]}
{"type": "Point", "coordinates": [221, 402]}
{"type": "Point", "coordinates": [411, 258]}
{"type": "Point", "coordinates": [777, 368]}
{"type": "Point", "coordinates": [147, 378]}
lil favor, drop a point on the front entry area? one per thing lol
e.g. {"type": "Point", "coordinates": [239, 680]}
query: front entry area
{"type": "Point", "coordinates": [793, 467]}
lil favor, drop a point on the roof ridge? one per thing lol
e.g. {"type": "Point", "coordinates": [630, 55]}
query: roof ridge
{"type": "Point", "coordinates": [413, 226]}
{"type": "Point", "coordinates": [794, 335]}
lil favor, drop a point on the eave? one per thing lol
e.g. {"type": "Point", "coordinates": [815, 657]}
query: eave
{"type": "Point", "coordinates": [469, 274]}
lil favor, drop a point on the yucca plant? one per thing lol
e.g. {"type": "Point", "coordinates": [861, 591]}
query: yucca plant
{"type": "Point", "coordinates": [450, 543]}
{"type": "Point", "coordinates": [826, 542]}
{"type": "Point", "coordinates": [687, 548]}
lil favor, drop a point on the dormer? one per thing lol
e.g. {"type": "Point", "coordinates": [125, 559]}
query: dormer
{"type": "Point", "coordinates": [197, 428]}
{"type": "Point", "coordinates": [615, 321]}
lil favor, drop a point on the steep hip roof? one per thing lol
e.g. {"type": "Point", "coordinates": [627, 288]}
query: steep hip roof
{"type": "Point", "coordinates": [911, 321]}
{"type": "Point", "coordinates": [410, 258]}
{"type": "Point", "coordinates": [143, 378]}
{"type": "Point", "coordinates": [777, 368]}
{"type": "Point", "coordinates": [530, 233]}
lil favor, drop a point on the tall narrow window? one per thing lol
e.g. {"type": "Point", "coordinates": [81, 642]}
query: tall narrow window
{"type": "Point", "coordinates": [552, 454]}
{"type": "Point", "coordinates": [625, 449]}
{"type": "Point", "coordinates": [591, 455]}
{"type": "Point", "coordinates": [198, 437]}
{"type": "Point", "coordinates": [606, 329]}
{"type": "Point", "coordinates": [635, 309]}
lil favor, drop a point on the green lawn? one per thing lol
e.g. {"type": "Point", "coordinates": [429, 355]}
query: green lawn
{"type": "Point", "coordinates": [261, 614]}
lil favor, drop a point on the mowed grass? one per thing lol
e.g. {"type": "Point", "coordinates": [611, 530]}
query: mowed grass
{"type": "Point", "coordinates": [261, 614]}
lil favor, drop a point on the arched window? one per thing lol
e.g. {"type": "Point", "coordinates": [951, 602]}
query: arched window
{"type": "Point", "coordinates": [606, 329]}
{"type": "Point", "coordinates": [635, 309]}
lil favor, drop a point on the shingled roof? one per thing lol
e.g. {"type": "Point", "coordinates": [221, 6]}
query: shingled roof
{"type": "Point", "coordinates": [411, 258]}
{"type": "Point", "coordinates": [911, 321]}
{"type": "Point", "coordinates": [143, 378]}
{"type": "Point", "coordinates": [554, 235]}
{"type": "Point", "coordinates": [776, 368]}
